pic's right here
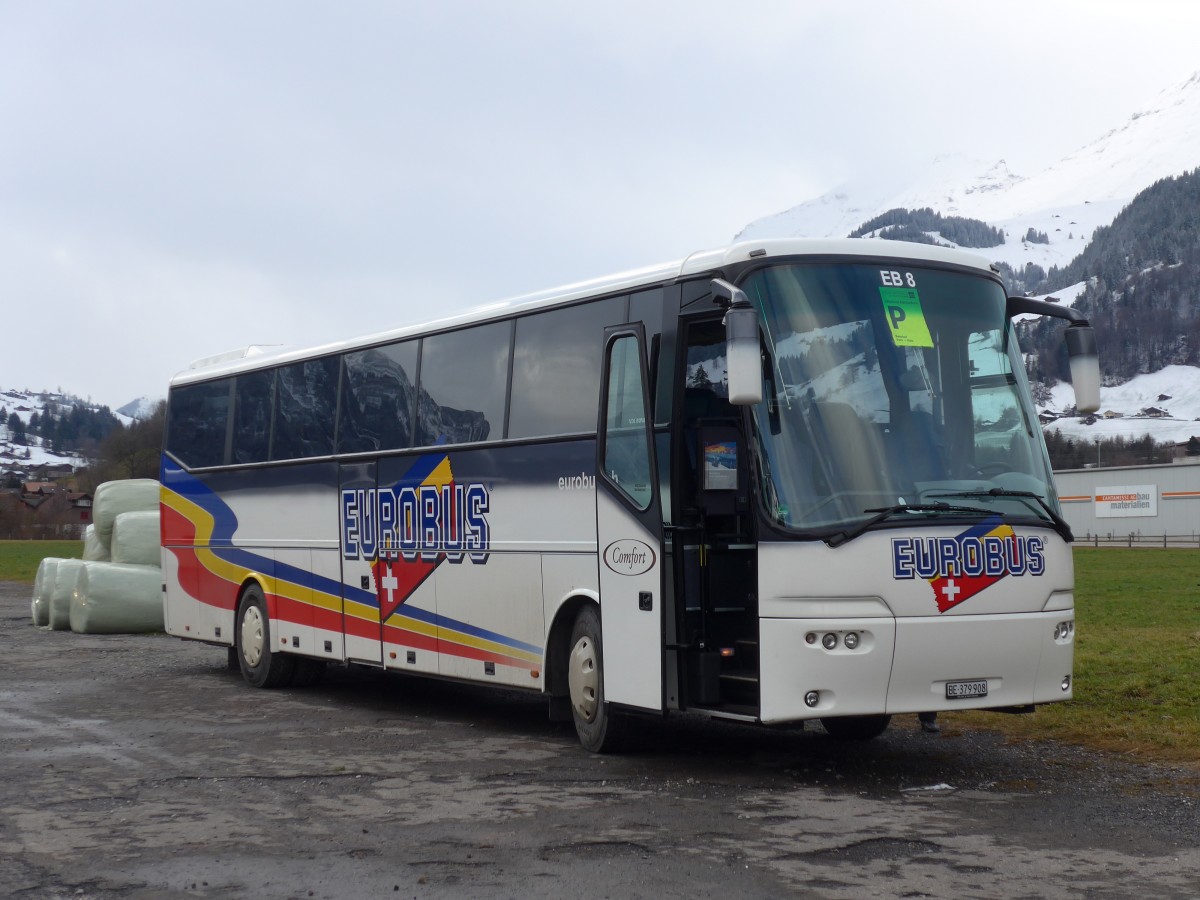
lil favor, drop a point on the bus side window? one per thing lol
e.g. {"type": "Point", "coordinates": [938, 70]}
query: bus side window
{"type": "Point", "coordinates": [556, 369]}
{"type": "Point", "coordinates": [378, 395]}
{"type": "Point", "coordinates": [626, 451]}
{"type": "Point", "coordinates": [305, 406]}
{"type": "Point", "coordinates": [198, 423]}
{"type": "Point", "coordinates": [464, 384]}
{"type": "Point", "coordinates": [253, 397]}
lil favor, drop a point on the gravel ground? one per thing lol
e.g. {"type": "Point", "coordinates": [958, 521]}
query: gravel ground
{"type": "Point", "coordinates": [139, 766]}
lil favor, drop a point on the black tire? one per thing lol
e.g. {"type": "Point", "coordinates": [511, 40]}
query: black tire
{"type": "Point", "coordinates": [856, 728]}
{"type": "Point", "coordinates": [600, 728]}
{"type": "Point", "coordinates": [260, 665]}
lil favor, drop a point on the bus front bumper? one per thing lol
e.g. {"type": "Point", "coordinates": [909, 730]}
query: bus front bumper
{"type": "Point", "coordinates": [809, 668]}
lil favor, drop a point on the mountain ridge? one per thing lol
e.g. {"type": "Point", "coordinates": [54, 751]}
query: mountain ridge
{"type": "Point", "coordinates": [1067, 200]}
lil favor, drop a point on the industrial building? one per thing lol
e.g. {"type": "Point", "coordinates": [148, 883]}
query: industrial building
{"type": "Point", "coordinates": [1131, 505]}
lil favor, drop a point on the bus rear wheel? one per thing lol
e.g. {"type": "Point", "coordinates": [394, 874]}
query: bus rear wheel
{"type": "Point", "coordinates": [856, 728]}
{"type": "Point", "coordinates": [599, 727]}
{"type": "Point", "coordinates": [260, 665]}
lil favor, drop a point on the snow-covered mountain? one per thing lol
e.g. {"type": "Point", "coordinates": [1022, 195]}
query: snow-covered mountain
{"type": "Point", "coordinates": [24, 404]}
{"type": "Point", "coordinates": [141, 408]}
{"type": "Point", "coordinates": [1174, 391]}
{"type": "Point", "coordinates": [1067, 202]}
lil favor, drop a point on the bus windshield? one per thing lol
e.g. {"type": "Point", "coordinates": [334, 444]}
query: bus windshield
{"type": "Point", "coordinates": [892, 386]}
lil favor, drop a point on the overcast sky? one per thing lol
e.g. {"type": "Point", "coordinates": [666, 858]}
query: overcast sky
{"type": "Point", "coordinates": [179, 179]}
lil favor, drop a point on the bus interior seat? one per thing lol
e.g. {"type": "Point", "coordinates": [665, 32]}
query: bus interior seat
{"type": "Point", "coordinates": [919, 448]}
{"type": "Point", "coordinates": [853, 448]}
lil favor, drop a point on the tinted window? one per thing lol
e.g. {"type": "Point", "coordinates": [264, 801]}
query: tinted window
{"type": "Point", "coordinates": [305, 407]}
{"type": "Point", "coordinates": [199, 417]}
{"type": "Point", "coordinates": [626, 451]}
{"type": "Point", "coordinates": [556, 369]}
{"type": "Point", "coordinates": [464, 377]}
{"type": "Point", "coordinates": [252, 416]}
{"type": "Point", "coordinates": [377, 398]}
{"type": "Point", "coordinates": [647, 307]}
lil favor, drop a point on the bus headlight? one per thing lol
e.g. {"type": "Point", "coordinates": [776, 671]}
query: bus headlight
{"type": "Point", "coordinates": [812, 698]}
{"type": "Point", "coordinates": [851, 640]}
{"type": "Point", "coordinates": [829, 641]}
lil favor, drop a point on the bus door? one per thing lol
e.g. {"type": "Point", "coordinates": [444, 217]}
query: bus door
{"type": "Point", "coordinates": [629, 527]}
{"type": "Point", "coordinates": [714, 544]}
{"type": "Point", "coordinates": [357, 512]}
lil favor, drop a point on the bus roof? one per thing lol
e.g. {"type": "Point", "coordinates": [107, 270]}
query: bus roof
{"type": "Point", "coordinates": [254, 357]}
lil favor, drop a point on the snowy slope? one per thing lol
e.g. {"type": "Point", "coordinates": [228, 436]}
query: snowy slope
{"type": "Point", "coordinates": [141, 408]}
{"type": "Point", "coordinates": [25, 404]}
{"type": "Point", "coordinates": [1067, 201]}
{"type": "Point", "coordinates": [1175, 389]}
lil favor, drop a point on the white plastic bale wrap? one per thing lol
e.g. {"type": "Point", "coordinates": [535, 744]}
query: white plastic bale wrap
{"type": "Point", "coordinates": [64, 589]}
{"type": "Point", "coordinates": [43, 586]}
{"type": "Point", "coordinates": [135, 538]}
{"type": "Point", "coordinates": [92, 548]}
{"type": "Point", "coordinates": [115, 497]}
{"type": "Point", "coordinates": [117, 598]}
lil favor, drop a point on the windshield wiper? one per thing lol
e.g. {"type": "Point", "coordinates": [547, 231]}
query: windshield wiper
{"type": "Point", "coordinates": [842, 537]}
{"type": "Point", "coordinates": [1060, 524]}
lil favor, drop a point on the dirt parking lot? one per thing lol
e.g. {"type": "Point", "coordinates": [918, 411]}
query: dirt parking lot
{"type": "Point", "coordinates": [139, 766]}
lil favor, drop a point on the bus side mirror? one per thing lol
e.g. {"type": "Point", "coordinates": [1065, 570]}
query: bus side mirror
{"type": "Point", "coordinates": [743, 358]}
{"type": "Point", "coordinates": [1085, 367]}
{"type": "Point", "coordinates": [1081, 348]}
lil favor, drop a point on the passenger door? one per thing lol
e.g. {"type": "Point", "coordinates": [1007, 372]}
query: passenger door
{"type": "Point", "coordinates": [629, 527]}
{"type": "Point", "coordinates": [359, 546]}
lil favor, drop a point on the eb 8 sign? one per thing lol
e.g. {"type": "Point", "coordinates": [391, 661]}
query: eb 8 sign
{"type": "Point", "coordinates": [902, 309]}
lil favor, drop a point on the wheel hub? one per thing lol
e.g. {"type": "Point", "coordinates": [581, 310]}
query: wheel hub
{"type": "Point", "coordinates": [582, 676]}
{"type": "Point", "coordinates": [252, 636]}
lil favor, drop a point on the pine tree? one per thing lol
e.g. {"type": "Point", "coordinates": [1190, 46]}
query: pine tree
{"type": "Point", "coordinates": [16, 429]}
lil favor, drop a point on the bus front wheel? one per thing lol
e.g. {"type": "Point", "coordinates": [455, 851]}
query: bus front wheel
{"type": "Point", "coordinates": [599, 727]}
{"type": "Point", "coordinates": [260, 665]}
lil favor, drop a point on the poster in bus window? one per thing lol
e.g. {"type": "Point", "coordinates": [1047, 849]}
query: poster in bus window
{"type": "Point", "coordinates": [720, 466]}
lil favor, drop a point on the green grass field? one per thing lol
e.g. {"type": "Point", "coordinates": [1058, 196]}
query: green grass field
{"type": "Point", "coordinates": [1137, 659]}
{"type": "Point", "coordinates": [1137, 652]}
{"type": "Point", "coordinates": [19, 560]}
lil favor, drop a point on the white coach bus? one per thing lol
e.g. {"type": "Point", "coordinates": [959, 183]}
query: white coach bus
{"type": "Point", "coordinates": [780, 481]}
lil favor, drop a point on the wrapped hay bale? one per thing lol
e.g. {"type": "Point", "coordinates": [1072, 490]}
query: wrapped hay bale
{"type": "Point", "coordinates": [92, 548]}
{"type": "Point", "coordinates": [135, 538]}
{"type": "Point", "coordinates": [115, 497]}
{"type": "Point", "coordinates": [117, 598]}
{"type": "Point", "coordinates": [64, 587]}
{"type": "Point", "coordinates": [43, 586]}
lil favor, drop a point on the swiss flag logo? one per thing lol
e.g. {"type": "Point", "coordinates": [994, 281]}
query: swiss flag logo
{"type": "Point", "coordinates": [396, 579]}
{"type": "Point", "coordinates": [957, 587]}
